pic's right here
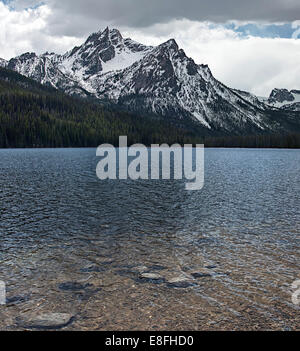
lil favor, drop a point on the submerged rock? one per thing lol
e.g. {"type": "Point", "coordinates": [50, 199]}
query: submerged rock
{"type": "Point", "coordinates": [86, 294]}
{"type": "Point", "coordinates": [150, 278]}
{"type": "Point", "coordinates": [74, 286]}
{"type": "Point", "coordinates": [15, 300]}
{"type": "Point", "coordinates": [80, 291]}
{"type": "Point", "coordinates": [181, 282]}
{"type": "Point", "coordinates": [198, 275]}
{"type": "Point", "coordinates": [140, 269]}
{"type": "Point", "coordinates": [93, 269]}
{"type": "Point", "coordinates": [47, 321]}
{"type": "Point", "coordinates": [157, 267]}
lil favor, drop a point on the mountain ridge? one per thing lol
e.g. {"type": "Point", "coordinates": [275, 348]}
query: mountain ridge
{"type": "Point", "coordinates": [284, 99]}
{"type": "Point", "coordinates": [158, 80]}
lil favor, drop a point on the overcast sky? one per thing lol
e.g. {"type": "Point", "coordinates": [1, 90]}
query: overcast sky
{"type": "Point", "coordinates": [251, 45]}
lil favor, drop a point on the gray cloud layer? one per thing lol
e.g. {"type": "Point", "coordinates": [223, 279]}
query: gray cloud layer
{"type": "Point", "coordinates": [72, 17]}
{"type": "Point", "coordinates": [141, 13]}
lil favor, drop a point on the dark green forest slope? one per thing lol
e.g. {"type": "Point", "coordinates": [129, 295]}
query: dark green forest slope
{"type": "Point", "coordinates": [33, 115]}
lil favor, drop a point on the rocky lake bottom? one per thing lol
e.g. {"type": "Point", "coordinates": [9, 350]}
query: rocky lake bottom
{"type": "Point", "coordinates": [77, 254]}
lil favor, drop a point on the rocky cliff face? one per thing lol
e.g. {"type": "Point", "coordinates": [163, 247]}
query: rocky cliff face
{"type": "Point", "coordinates": [158, 80]}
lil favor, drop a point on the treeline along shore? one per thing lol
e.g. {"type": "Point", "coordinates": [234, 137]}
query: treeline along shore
{"type": "Point", "coordinates": [37, 116]}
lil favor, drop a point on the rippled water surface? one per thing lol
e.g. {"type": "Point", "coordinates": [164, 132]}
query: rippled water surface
{"type": "Point", "coordinates": [127, 255]}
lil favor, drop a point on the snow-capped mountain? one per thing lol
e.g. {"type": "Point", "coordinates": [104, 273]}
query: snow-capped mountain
{"type": "Point", "coordinates": [75, 71]}
{"type": "Point", "coordinates": [3, 63]}
{"type": "Point", "coordinates": [159, 80]}
{"type": "Point", "coordinates": [102, 52]}
{"type": "Point", "coordinates": [284, 99]}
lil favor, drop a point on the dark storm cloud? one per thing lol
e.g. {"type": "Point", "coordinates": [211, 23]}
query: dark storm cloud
{"type": "Point", "coordinates": [141, 13]}
{"type": "Point", "coordinates": [79, 17]}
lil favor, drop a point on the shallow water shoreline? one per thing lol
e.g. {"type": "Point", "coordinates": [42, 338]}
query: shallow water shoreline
{"type": "Point", "coordinates": [144, 255]}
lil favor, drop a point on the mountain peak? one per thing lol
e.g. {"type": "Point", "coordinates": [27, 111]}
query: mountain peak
{"type": "Point", "coordinates": [170, 44]}
{"type": "Point", "coordinates": [106, 35]}
{"type": "Point", "coordinates": [109, 33]}
{"type": "Point", "coordinates": [115, 36]}
{"type": "Point", "coordinates": [281, 95]}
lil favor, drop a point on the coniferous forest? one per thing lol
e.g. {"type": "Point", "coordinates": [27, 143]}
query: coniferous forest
{"type": "Point", "coordinates": [33, 115]}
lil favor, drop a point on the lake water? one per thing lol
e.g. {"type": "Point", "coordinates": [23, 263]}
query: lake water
{"type": "Point", "coordinates": [149, 255]}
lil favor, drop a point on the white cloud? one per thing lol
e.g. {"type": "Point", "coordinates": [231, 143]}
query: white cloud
{"type": "Point", "coordinates": [296, 25]}
{"type": "Point", "coordinates": [249, 63]}
{"type": "Point", "coordinates": [27, 30]}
